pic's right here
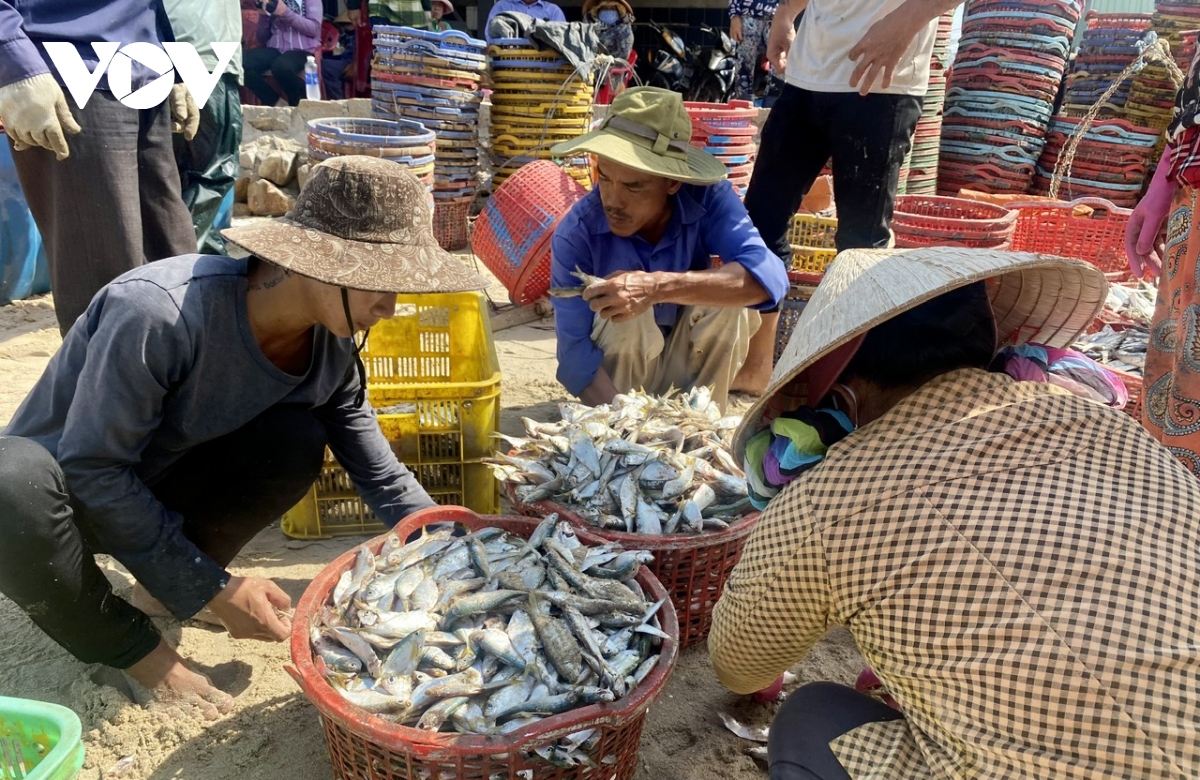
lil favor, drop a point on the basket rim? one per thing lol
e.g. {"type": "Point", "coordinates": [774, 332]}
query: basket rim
{"type": "Point", "coordinates": [378, 731]}
{"type": "Point", "coordinates": [742, 527]}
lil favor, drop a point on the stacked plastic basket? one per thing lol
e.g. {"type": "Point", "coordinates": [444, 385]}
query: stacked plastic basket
{"type": "Point", "coordinates": [538, 100]}
{"type": "Point", "coordinates": [726, 131]}
{"type": "Point", "coordinates": [918, 174]}
{"type": "Point", "coordinates": [1111, 161]}
{"type": "Point", "coordinates": [1152, 96]}
{"type": "Point", "coordinates": [1010, 63]}
{"type": "Point", "coordinates": [1108, 46]}
{"type": "Point", "coordinates": [436, 79]}
{"type": "Point", "coordinates": [926, 220]}
{"type": "Point", "coordinates": [401, 141]}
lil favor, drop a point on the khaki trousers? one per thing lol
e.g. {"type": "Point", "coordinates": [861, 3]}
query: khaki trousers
{"type": "Point", "coordinates": [706, 348]}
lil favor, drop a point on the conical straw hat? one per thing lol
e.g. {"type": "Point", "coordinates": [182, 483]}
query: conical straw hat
{"type": "Point", "coordinates": [1041, 298]}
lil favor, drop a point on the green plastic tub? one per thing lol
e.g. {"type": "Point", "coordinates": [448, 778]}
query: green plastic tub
{"type": "Point", "coordinates": [50, 737]}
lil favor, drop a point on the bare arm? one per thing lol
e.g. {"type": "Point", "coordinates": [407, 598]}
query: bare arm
{"type": "Point", "coordinates": [624, 296]}
{"type": "Point", "coordinates": [600, 391]}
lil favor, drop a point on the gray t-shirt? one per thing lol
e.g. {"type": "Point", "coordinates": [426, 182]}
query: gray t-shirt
{"type": "Point", "coordinates": [164, 359]}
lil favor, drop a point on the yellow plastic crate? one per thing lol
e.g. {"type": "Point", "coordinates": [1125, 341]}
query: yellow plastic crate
{"type": "Point", "coordinates": [813, 232]}
{"type": "Point", "coordinates": [434, 380]}
{"type": "Point", "coordinates": [808, 260]}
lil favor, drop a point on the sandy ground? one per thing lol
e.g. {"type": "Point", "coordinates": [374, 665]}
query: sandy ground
{"type": "Point", "coordinates": [273, 733]}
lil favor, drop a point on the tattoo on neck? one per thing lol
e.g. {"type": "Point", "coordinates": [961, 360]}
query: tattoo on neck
{"type": "Point", "coordinates": [277, 278]}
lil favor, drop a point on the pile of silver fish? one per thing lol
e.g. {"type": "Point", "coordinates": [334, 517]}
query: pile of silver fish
{"type": "Point", "coordinates": [1135, 300]}
{"type": "Point", "coordinates": [1124, 350]}
{"type": "Point", "coordinates": [642, 464]}
{"type": "Point", "coordinates": [488, 633]}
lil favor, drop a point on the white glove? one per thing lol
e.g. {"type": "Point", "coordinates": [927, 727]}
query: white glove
{"type": "Point", "coordinates": [184, 113]}
{"type": "Point", "coordinates": [35, 113]}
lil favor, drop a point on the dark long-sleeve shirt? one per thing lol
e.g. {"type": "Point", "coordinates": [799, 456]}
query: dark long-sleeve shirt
{"type": "Point", "coordinates": [164, 359]}
{"type": "Point", "coordinates": [26, 24]}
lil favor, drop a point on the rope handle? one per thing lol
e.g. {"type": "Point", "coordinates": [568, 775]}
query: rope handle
{"type": "Point", "coordinates": [1151, 48]}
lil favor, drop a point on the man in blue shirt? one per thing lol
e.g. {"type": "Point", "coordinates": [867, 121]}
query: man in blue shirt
{"type": "Point", "coordinates": [662, 316]}
{"type": "Point", "coordinates": [538, 9]}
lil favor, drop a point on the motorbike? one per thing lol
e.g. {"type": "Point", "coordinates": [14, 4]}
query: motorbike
{"type": "Point", "coordinates": [702, 74]}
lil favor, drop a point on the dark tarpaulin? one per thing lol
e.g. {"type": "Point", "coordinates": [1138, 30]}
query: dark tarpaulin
{"type": "Point", "coordinates": [578, 42]}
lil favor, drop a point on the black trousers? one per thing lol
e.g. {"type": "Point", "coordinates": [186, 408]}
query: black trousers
{"type": "Point", "coordinates": [227, 490]}
{"type": "Point", "coordinates": [867, 137]}
{"type": "Point", "coordinates": [811, 718]}
{"type": "Point", "coordinates": [111, 206]}
{"type": "Point", "coordinates": [287, 67]}
{"type": "Point", "coordinates": [209, 165]}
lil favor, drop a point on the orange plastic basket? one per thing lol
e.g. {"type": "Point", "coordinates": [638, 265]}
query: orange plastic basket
{"type": "Point", "coordinates": [1133, 386]}
{"type": "Point", "coordinates": [362, 745]}
{"type": "Point", "coordinates": [512, 234]}
{"type": "Point", "coordinates": [1053, 228]}
{"type": "Point", "coordinates": [932, 216]}
{"type": "Point", "coordinates": [692, 567]}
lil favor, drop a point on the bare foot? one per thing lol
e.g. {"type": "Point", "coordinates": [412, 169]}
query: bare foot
{"type": "Point", "coordinates": [755, 373]}
{"type": "Point", "coordinates": [141, 598]}
{"type": "Point", "coordinates": [163, 683]}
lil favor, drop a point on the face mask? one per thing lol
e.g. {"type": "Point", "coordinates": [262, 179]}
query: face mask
{"type": "Point", "coordinates": [609, 16]}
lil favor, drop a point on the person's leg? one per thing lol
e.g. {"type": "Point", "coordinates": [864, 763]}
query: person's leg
{"type": "Point", "coordinates": [47, 569]}
{"type": "Point", "coordinates": [87, 206]}
{"type": "Point", "coordinates": [230, 488]}
{"type": "Point", "coordinates": [632, 350]}
{"type": "Point", "coordinates": [811, 718]}
{"type": "Point", "coordinates": [166, 224]}
{"type": "Point", "coordinates": [707, 349]}
{"type": "Point", "coordinates": [256, 63]}
{"type": "Point", "coordinates": [331, 76]}
{"type": "Point", "coordinates": [748, 57]}
{"type": "Point", "coordinates": [870, 137]}
{"type": "Point", "coordinates": [288, 69]}
{"type": "Point", "coordinates": [793, 148]}
{"type": "Point", "coordinates": [209, 163]}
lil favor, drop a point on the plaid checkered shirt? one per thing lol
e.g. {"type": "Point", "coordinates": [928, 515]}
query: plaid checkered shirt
{"type": "Point", "coordinates": [1021, 569]}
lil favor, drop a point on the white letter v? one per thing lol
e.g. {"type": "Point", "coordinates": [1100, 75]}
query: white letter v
{"type": "Point", "coordinates": [81, 82]}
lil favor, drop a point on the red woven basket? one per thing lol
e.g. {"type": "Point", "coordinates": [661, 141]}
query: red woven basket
{"type": "Point", "coordinates": [363, 746]}
{"type": "Point", "coordinates": [512, 234]}
{"type": "Point", "coordinates": [967, 218]}
{"type": "Point", "coordinates": [450, 223]}
{"type": "Point", "coordinates": [692, 567]}
{"type": "Point", "coordinates": [1053, 229]}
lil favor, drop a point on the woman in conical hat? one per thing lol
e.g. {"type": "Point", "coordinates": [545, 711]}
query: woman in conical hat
{"type": "Point", "coordinates": [1017, 564]}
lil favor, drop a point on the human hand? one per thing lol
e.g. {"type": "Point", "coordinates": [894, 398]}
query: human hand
{"type": "Point", "coordinates": [879, 51]}
{"type": "Point", "coordinates": [249, 608]}
{"type": "Point", "coordinates": [623, 295]}
{"type": "Point", "coordinates": [1143, 246]}
{"type": "Point", "coordinates": [185, 116]}
{"type": "Point", "coordinates": [735, 29]}
{"type": "Point", "coordinates": [36, 113]}
{"type": "Point", "coordinates": [779, 42]}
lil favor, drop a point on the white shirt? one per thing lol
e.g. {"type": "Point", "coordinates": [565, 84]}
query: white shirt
{"type": "Point", "coordinates": [818, 60]}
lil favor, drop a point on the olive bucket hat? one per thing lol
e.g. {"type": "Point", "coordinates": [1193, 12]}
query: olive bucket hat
{"type": "Point", "coordinates": [648, 129]}
{"type": "Point", "coordinates": [361, 223]}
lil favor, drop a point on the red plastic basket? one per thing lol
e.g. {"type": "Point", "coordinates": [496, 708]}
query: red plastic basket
{"type": "Point", "coordinates": [929, 220]}
{"type": "Point", "coordinates": [1133, 386]}
{"type": "Point", "coordinates": [364, 746]}
{"type": "Point", "coordinates": [512, 234]}
{"type": "Point", "coordinates": [450, 223]}
{"type": "Point", "coordinates": [692, 567]}
{"type": "Point", "coordinates": [1053, 229]}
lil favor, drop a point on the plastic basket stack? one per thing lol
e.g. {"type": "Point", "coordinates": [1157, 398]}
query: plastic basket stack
{"type": "Point", "coordinates": [433, 379]}
{"type": "Point", "coordinates": [1111, 162]}
{"type": "Point", "coordinates": [928, 220]}
{"type": "Point", "coordinates": [726, 131]}
{"type": "Point", "coordinates": [1010, 63]}
{"type": "Point", "coordinates": [538, 100]}
{"type": "Point", "coordinates": [402, 141]}
{"type": "Point", "coordinates": [918, 174]}
{"type": "Point", "coordinates": [436, 79]}
{"type": "Point", "coordinates": [1152, 96]}
{"type": "Point", "coordinates": [1108, 46]}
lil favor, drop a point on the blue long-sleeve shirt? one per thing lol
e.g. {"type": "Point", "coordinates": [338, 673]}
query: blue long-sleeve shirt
{"type": "Point", "coordinates": [164, 359]}
{"type": "Point", "coordinates": [539, 9]}
{"type": "Point", "coordinates": [26, 24]}
{"type": "Point", "coordinates": [705, 221]}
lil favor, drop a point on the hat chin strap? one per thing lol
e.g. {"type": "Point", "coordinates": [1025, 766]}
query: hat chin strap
{"type": "Point", "coordinates": [356, 348]}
